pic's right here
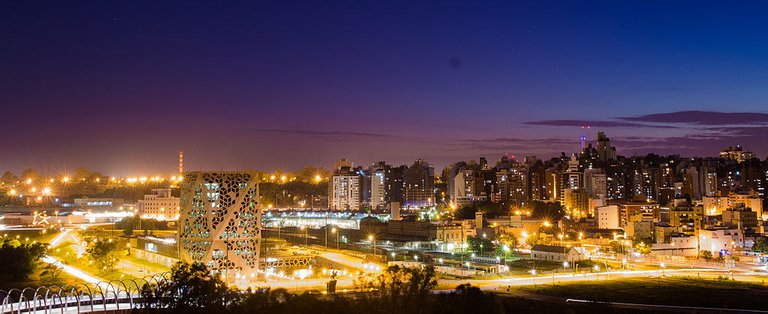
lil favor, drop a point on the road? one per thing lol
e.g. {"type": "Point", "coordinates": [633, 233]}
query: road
{"type": "Point", "coordinates": [494, 284]}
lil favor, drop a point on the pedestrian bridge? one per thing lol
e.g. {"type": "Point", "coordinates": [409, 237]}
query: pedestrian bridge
{"type": "Point", "coordinates": [82, 298]}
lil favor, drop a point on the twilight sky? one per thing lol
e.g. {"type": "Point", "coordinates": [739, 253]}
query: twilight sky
{"type": "Point", "coordinates": [121, 86]}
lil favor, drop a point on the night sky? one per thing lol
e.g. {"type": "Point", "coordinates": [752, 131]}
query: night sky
{"type": "Point", "coordinates": [121, 86]}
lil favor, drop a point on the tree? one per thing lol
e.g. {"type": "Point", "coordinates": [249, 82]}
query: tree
{"type": "Point", "coordinates": [52, 270]}
{"type": "Point", "coordinates": [467, 299]}
{"type": "Point", "coordinates": [403, 290]}
{"type": "Point", "coordinates": [9, 178]}
{"type": "Point", "coordinates": [706, 255]}
{"type": "Point", "coordinates": [551, 211]}
{"type": "Point", "coordinates": [480, 244]}
{"type": "Point", "coordinates": [191, 288]}
{"type": "Point", "coordinates": [29, 173]}
{"type": "Point", "coordinates": [761, 245]}
{"type": "Point", "coordinates": [617, 247]}
{"type": "Point", "coordinates": [643, 248]}
{"type": "Point", "coordinates": [103, 253]}
{"type": "Point", "coordinates": [506, 239]}
{"type": "Point", "coordinates": [20, 260]}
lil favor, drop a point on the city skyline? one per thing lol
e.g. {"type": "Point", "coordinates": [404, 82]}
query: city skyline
{"type": "Point", "coordinates": [284, 85]}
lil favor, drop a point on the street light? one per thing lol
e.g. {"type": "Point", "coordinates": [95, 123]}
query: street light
{"type": "Point", "coordinates": [306, 235]}
{"type": "Point", "coordinates": [333, 230]}
{"type": "Point", "coordinates": [373, 243]}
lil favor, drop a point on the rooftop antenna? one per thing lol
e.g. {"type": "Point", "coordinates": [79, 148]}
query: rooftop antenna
{"type": "Point", "coordinates": [583, 138]}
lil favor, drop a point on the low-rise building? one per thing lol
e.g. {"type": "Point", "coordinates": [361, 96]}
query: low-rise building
{"type": "Point", "coordinates": [687, 218]}
{"type": "Point", "coordinates": [740, 217]}
{"type": "Point", "coordinates": [639, 229]}
{"type": "Point", "coordinates": [160, 205]}
{"type": "Point", "coordinates": [608, 217]}
{"type": "Point", "coordinates": [677, 246]}
{"type": "Point", "coordinates": [556, 253]}
{"type": "Point", "coordinates": [720, 241]}
{"type": "Point", "coordinates": [89, 203]}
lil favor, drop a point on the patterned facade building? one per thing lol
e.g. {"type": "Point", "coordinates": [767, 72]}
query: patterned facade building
{"type": "Point", "coordinates": [219, 222]}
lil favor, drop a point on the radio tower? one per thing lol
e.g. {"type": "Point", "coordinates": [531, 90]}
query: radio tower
{"type": "Point", "coordinates": [584, 136]}
{"type": "Point", "coordinates": [181, 162]}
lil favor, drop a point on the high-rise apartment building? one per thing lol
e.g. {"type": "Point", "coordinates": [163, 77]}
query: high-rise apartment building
{"type": "Point", "coordinates": [419, 186]}
{"type": "Point", "coordinates": [345, 187]}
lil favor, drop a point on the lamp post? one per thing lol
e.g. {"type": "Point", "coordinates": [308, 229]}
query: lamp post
{"type": "Point", "coordinates": [326, 231]}
{"type": "Point", "coordinates": [306, 235]}
{"type": "Point", "coordinates": [337, 236]}
{"type": "Point", "coordinates": [373, 243]}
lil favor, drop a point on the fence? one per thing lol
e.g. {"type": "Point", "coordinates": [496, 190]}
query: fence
{"type": "Point", "coordinates": [103, 296]}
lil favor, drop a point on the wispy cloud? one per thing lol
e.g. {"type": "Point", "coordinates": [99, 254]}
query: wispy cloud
{"type": "Point", "coordinates": [703, 118]}
{"type": "Point", "coordinates": [318, 133]}
{"type": "Point", "coordinates": [596, 123]}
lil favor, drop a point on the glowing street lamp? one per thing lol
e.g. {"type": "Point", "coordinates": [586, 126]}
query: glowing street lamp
{"type": "Point", "coordinates": [373, 243]}
{"type": "Point", "coordinates": [333, 230]}
{"type": "Point", "coordinates": [306, 235]}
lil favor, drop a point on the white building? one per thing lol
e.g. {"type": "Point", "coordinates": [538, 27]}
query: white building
{"type": "Point", "coordinates": [378, 189]}
{"type": "Point", "coordinates": [220, 222]}
{"type": "Point", "coordinates": [556, 253]}
{"type": "Point", "coordinates": [609, 217]}
{"type": "Point", "coordinates": [160, 205]}
{"type": "Point", "coordinates": [345, 193]}
{"type": "Point", "coordinates": [345, 190]}
{"type": "Point", "coordinates": [89, 203]}
{"type": "Point", "coordinates": [677, 246]}
{"type": "Point", "coordinates": [720, 240]}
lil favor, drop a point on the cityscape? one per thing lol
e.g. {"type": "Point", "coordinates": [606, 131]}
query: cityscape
{"type": "Point", "coordinates": [340, 157]}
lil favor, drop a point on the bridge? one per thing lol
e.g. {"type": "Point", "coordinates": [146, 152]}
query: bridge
{"type": "Point", "coordinates": [80, 298]}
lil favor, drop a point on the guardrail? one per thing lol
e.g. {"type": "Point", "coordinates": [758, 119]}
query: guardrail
{"type": "Point", "coordinates": [84, 298]}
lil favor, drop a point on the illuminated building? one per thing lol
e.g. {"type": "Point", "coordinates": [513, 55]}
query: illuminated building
{"type": "Point", "coordinates": [605, 151]}
{"type": "Point", "coordinates": [345, 193]}
{"type": "Point", "coordinates": [736, 153]}
{"type": "Point", "coordinates": [98, 203]}
{"type": "Point", "coordinates": [219, 222]}
{"type": "Point", "coordinates": [160, 205]}
{"type": "Point", "coordinates": [419, 185]}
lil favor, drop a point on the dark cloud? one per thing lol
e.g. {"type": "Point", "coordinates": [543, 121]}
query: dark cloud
{"type": "Point", "coordinates": [703, 118]}
{"type": "Point", "coordinates": [596, 123]}
{"type": "Point", "coordinates": [325, 133]}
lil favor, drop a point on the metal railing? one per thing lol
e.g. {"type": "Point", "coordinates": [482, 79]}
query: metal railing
{"type": "Point", "coordinates": [103, 296]}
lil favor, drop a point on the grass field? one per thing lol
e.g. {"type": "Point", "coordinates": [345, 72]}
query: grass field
{"type": "Point", "coordinates": [688, 291]}
{"type": "Point", "coordinates": [38, 279]}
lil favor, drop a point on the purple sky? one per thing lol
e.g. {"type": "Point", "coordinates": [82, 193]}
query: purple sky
{"type": "Point", "coordinates": [122, 86]}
